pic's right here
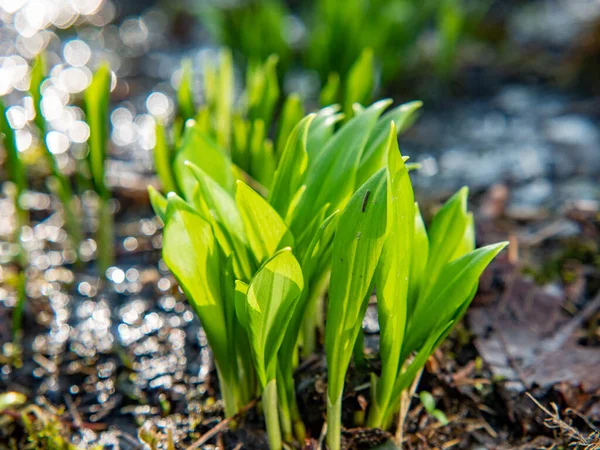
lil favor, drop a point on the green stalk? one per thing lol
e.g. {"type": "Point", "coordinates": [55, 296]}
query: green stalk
{"type": "Point", "coordinates": [312, 316]}
{"type": "Point", "coordinates": [376, 413]}
{"type": "Point", "coordinates": [106, 250]}
{"type": "Point", "coordinates": [270, 410]}
{"type": "Point", "coordinates": [334, 423]}
{"type": "Point", "coordinates": [298, 424]}
{"type": "Point", "coordinates": [229, 394]}
{"type": "Point", "coordinates": [285, 416]}
{"type": "Point", "coordinates": [17, 318]}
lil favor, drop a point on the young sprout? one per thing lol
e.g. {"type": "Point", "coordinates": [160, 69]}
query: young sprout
{"type": "Point", "coordinates": [96, 98]}
{"type": "Point", "coordinates": [60, 183]}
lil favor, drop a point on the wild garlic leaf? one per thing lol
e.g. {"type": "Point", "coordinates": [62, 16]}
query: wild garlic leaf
{"type": "Point", "coordinates": [271, 301]}
{"type": "Point", "coordinates": [467, 243]}
{"type": "Point", "coordinates": [205, 153]}
{"type": "Point", "coordinates": [241, 290]}
{"type": "Point", "coordinates": [162, 160]}
{"type": "Point", "coordinates": [418, 261]}
{"type": "Point", "coordinates": [158, 202]}
{"type": "Point", "coordinates": [185, 96]}
{"type": "Point", "coordinates": [16, 169]}
{"type": "Point", "coordinates": [292, 166]}
{"type": "Point", "coordinates": [445, 235]}
{"type": "Point", "coordinates": [291, 114]}
{"type": "Point", "coordinates": [262, 157]}
{"type": "Point", "coordinates": [219, 90]}
{"type": "Point", "coordinates": [219, 207]}
{"type": "Point", "coordinates": [96, 98]}
{"type": "Point", "coordinates": [262, 90]}
{"type": "Point", "coordinates": [393, 271]}
{"type": "Point", "coordinates": [374, 156]}
{"type": "Point", "coordinates": [357, 247]}
{"type": "Point", "coordinates": [38, 74]}
{"type": "Point", "coordinates": [360, 82]}
{"type": "Point", "coordinates": [455, 283]}
{"type": "Point", "coordinates": [321, 129]}
{"type": "Point", "coordinates": [331, 90]}
{"type": "Point", "coordinates": [220, 203]}
{"type": "Point", "coordinates": [191, 252]}
{"type": "Point", "coordinates": [332, 178]}
{"type": "Point", "coordinates": [265, 230]}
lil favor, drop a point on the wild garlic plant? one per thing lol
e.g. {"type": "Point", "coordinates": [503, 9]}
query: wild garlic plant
{"type": "Point", "coordinates": [223, 125]}
{"type": "Point", "coordinates": [424, 282]}
{"type": "Point", "coordinates": [221, 234]}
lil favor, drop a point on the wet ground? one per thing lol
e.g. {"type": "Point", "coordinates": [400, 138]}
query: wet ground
{"type": "Point", "coordinates": [127, 352]}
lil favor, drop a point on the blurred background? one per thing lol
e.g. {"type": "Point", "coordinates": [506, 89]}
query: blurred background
{"type": "Point", "coordinates": [511, 93]}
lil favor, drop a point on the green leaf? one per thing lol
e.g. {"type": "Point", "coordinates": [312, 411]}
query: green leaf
{"type": "Point", "coordinates": [205, 153]}
{"type": "Point", "coordinates": [191, 252]}
{"type": "Point", "coordinates": [292, 166]}
{"type": "Point", "coordinates": [374, 156]}
{"type": "Point", "coordinates": [262, 90]}
{"type": "Point", "coordinates": [162, 160]}
{"type": "Point", "coordinates": [265, 230]}
{"type": "Point", "coordinates": [226, 220]}
{"type": "Point", "coordinates": [330, 92]}
{"type": "Point", "coordinates": [16, 169]}
{"type": "Point", "coordinates": [467, 244]}
{"type": "Point", "coordinates": [96, 99]}
{"type": "Point", "coordinates": [392, 274]}
{"type": "Point", "coordinates": [360, 82]}
{"type": "Point", "coordinates": [356, 250]}
{"type": "Point", "coordinates": [445, 234]}
{"type": "Point", "coordinates": [239, 146]}
{"type": "Point", "coordinates": [158, 202]}
{"type": "Point", "coordinates": [321, 130]}
{"type": "Point", "coordinates": [271, 301]}
{"type": "Point", "coordinates": [332, 177]}
{"type": "Point", "coordinates": [291, 114]}
{"type": "Point", "coordinates": [440, 416]}
{"type": "Point", "coordinates": [185, 96]}
{"type": "Point", "coordinates": [418, 262]}
{"type": "Point", "coordinates": [38, 74]}
{"type": "Point", "coordinates": [219, 90]}
{"type": "Point", "coordinates": [262, 158]}
{"type": "Point", "coordinates": [241, 290]}
{"type": "Point", "coordinates": [428, 401]}
{"type": "Point", "coordinates": [454, 286]}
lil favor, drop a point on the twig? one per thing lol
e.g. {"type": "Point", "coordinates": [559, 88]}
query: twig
{"type": "Point", "coordinates": [322, 436]}
{"type": "Point", "coordinates": [405, 400]}
{"type": "Point", "coordinates": [73, 410]}
{"type": "Point", "coordinates": [220, 426]}
{"type": "Point", "coordinates": [554, 421]}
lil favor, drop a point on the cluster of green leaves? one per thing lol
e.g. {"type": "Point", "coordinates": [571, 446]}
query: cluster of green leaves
{"type": "Point", "coordinates": [96, 100]}
{"type": "Point", "coordinates": [241, 129]}
{"type": "Point", "coordinates": [424, 282]}
{"type": "Point", "coordinates": [252, 265]}
{"type": "Point", "coordinates": [334, 33]}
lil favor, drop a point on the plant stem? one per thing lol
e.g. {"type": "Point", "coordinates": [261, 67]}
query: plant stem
{"type": "Point", "coordinates": [375, 418]}
{"type": "Point", "coordinates": [334, 423]}
{"type": "Point", "coordinates": [284, 407]}
{"type": "Point", "coordinates": [106, 250]}
{"type": "Point", "coordinates": [17, 318]}
{"type": "Point", "coordinates": [271, 413]}
{"type": "Point", "coordinates": [229, 394]}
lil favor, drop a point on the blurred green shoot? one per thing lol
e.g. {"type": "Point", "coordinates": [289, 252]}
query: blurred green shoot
{"type": "Point", "coordinates": [97, 98]}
